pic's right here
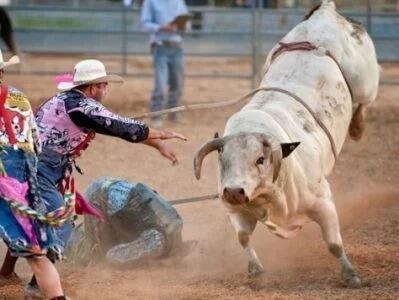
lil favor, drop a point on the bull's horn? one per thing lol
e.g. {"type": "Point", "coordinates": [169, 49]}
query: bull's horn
{"type": "Point", "coordinates": [210, 146]}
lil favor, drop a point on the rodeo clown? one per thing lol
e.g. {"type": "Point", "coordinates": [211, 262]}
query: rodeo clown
{"type": "Point", "coordinates": [67, 123]}
{"type": "Point", "coordinates": [139, 226]}
{"type": "Point", "coordinates": [24, 222]}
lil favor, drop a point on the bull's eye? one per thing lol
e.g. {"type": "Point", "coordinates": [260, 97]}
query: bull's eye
{"type": "Point", "coordinates": [260, 160]}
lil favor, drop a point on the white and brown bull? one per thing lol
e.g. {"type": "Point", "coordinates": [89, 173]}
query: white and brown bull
{"type": "Point", "coordinates": [312, 78]}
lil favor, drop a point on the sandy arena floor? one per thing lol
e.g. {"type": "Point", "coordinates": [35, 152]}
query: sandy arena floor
{"type": "Point", "coordinates": [364, 181]}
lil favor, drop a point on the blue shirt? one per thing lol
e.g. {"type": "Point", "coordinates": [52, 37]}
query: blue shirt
{"type": "Point", "coordinates": [155, 13]}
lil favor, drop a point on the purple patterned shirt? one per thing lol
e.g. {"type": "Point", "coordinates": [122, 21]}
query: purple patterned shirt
{"type": "Point", "coordinates": [66, 120]}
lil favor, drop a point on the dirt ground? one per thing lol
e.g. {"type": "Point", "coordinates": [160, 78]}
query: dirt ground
{"type": "Point", "coordinates": [364, 181]}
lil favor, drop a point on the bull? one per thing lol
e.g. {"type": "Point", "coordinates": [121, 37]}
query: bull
{"type": "Point", "coordinates": [277, 151]}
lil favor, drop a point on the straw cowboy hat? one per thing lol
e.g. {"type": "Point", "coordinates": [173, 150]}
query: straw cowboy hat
{"type": "Point", "coordinates": [88, 71]}
{"type": "Point", "coordinates": [12, 61]}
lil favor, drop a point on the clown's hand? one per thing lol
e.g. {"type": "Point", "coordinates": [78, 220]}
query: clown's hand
{"type": "Point", "coordinates": [165, 150]}
{"type": "Point", "coordinates": [168, 152]}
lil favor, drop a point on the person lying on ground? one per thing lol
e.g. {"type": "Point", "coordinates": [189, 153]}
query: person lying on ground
{"type": "Point", "coordinates": [140, 225]}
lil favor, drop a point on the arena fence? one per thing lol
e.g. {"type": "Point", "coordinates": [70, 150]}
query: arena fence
{"type": "Point", "coordinates": [216, 32]}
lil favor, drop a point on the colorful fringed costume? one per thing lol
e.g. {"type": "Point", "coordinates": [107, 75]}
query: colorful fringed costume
{"type": "Point", "coordinates": [24, 225]}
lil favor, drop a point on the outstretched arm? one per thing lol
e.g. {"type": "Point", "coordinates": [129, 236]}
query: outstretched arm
{"type": "Point", "coordinates": [92, 115]}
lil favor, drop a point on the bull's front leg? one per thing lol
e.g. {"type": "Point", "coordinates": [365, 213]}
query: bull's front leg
{"type": "Point", "coordinates": [244, 225]}
{"type": "Point", "coordinates": [325, 214]}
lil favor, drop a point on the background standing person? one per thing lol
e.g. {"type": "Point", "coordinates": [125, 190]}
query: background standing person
{"type": "Point", "coordinates": [24, 236]}
{"type": "Point", "coordinates": [167, 53]}
{"type": "Point", "coordinates": [68, 122]}
{"type": "Point", "coordinates": [6, 31]}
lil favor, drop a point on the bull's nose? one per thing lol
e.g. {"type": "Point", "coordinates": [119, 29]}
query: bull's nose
{"type": "Point", "coordinates": [234, 195]}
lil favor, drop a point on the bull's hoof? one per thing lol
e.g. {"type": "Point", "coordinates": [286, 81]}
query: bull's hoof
{"type": "Point", "coordinates": [254, 270]}
{"type": "Point", "coordinates": [351, 279]}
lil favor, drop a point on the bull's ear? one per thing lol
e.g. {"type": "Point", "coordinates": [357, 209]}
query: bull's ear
{"type": "Point", "coordinates": [287, 148]}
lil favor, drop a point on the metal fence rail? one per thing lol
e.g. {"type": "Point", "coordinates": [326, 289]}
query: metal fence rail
{"type": "Point", "coordinates": [225, 32]}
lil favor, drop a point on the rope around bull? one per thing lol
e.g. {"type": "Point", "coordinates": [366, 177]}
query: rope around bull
{"type": "Point", "coordinates": [239, 99]}
{"type": "Point", "coordinates": [195, 106]}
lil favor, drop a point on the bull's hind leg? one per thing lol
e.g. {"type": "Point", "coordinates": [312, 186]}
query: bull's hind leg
{"type": "Point", "coordinates": [358, 122]}
{"type": "Point", "coordinates": [325, 215]}
{"type": "Point", "coordinates": [244, 224]}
